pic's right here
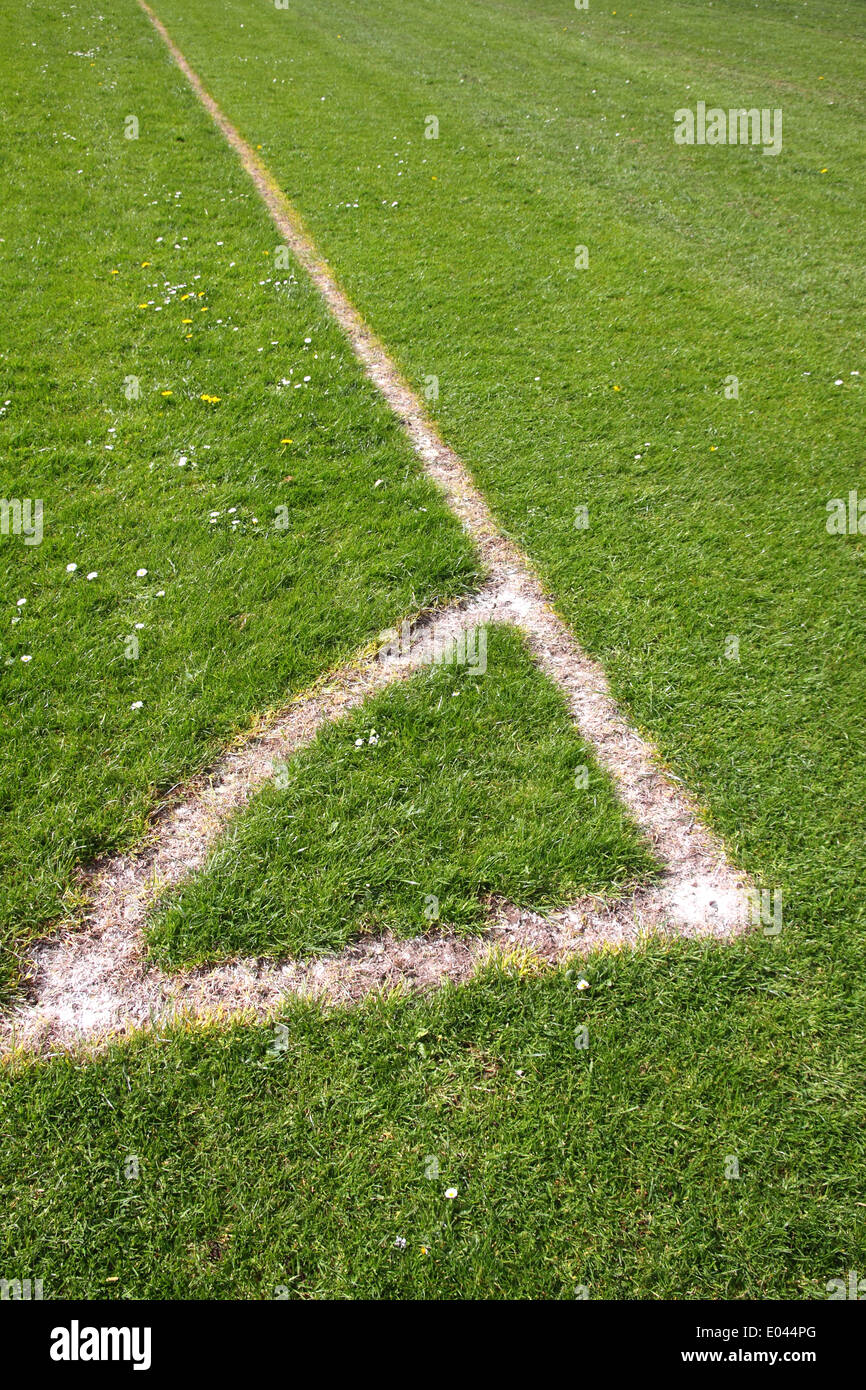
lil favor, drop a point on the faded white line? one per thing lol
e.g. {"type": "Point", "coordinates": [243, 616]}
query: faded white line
{"type": "Point", "coordinates": [94, 982]}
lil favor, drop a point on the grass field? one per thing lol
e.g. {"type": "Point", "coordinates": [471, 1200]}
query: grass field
{"type": "Point", "coordinates": [729, 619]}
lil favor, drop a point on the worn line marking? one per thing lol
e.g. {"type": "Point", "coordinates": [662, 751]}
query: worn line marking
{"type": "Point", "coordinates": [89, 984]}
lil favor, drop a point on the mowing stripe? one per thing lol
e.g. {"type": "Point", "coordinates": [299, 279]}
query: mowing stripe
{"type": "Point", "coordinates": [93, 982]}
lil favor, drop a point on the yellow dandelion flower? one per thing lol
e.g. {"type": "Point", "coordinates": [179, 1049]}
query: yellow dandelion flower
{"type": "Point", "coordinates": [142, 306]}
{"type": "Point", "coordinates": [185, 296]}
{"type": "Point", "coordinates": [285, 441]}
{"type": "Point", "coordinates": [144, 263]}
{"type": "Point", "coordinates": [114, 272]}
{"type": "Point", "coordinates": [166, 393]}
{"type": "Point", "coordinates": [211, 400]}
{"type": "Point", "coordinates": [617, 388]}
{"type": "Point", "coordinates": [186, 320]}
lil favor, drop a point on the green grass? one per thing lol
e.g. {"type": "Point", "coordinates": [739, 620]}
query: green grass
{"type": "Point", "coordinates": [435, 795]}
{"type": "Point", "coordinates": [236, 611]}
{"type": "Point", "coordinates": [298, 1159]}
{"type": "Point", "coordinates": [604, 1167]}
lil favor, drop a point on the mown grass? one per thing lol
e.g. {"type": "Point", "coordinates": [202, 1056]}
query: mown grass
{"type": "Point", "coordinates": [296, 1159]}
{"type": "Point", "coordinates": [137, 277]}
{"type": "Point", "coordinates": [604, 1166]}
{"type": "Point", "coordinates": [437, 794]}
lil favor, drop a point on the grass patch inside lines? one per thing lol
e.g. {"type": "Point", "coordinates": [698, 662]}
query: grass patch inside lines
{"type": "Point", "coordinates": [406, 816]}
